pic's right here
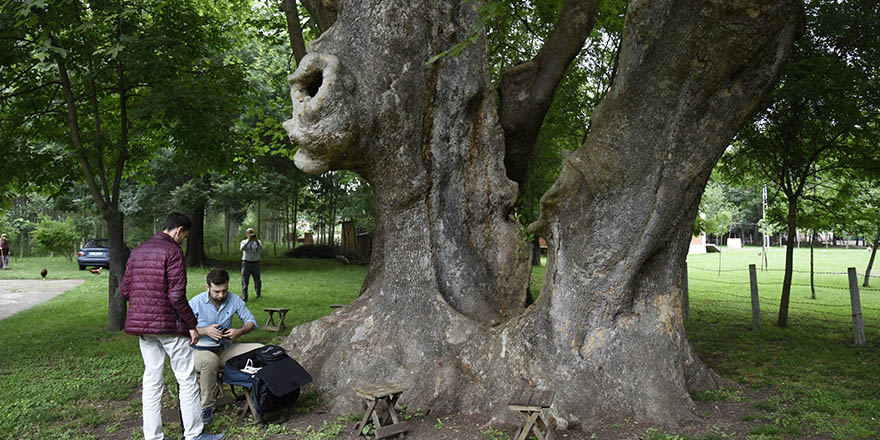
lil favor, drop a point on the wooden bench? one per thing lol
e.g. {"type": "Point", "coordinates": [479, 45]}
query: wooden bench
{"type": "Point", "coordinates": [531, 404]}
{"type": "Point", "coordinates": [389, 393]}
{"type": "Point", "coordinates": [270, 323]}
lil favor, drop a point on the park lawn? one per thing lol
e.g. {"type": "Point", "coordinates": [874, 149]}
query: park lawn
{"type": "Point", "coordinates": [818, 382]}
{"type": "Point", "coordinates": [70, 378]}
{"type": "Point", "coordinates": [59, 376]}
{"type": "Point", "coordinates": [28, 268]}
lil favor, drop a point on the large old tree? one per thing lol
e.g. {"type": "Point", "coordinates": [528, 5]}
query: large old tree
{"type": "Point", "coordinates": [442, 308]}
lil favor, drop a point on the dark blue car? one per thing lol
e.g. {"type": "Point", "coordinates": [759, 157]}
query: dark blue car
{"type": "Point", "coordinates": [95, 253]}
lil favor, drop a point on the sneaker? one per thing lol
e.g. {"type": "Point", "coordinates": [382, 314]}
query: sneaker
{"type": "Point", "coordinates": [204, 436]}
{"type": "Point", "coordinates": [207, 415]}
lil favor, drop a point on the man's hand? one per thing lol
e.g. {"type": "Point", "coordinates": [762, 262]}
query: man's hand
{"type": "Point", "coordinates": [212, 331]}
{"type": "Point", "coordinates": [233, 333]}
{"type": "Point", "coordinates": [193, 336]}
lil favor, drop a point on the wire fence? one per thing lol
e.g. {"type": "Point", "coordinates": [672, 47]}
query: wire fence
{"type": "Point", "coordinates": [830, 308]}
{"type": "Point", "coordinates": [775, 270]}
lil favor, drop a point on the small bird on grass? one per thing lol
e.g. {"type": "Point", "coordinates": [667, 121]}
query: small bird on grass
{"type": "Point", "coordinates": [44, 272]}
{"type": "Point", "coordinates": [96, 271]}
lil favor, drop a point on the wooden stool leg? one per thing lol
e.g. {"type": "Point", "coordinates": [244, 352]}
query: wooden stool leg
{"type": "Point", "coordinates": [549, 433]}
{"type": "Point", "coordinates": [281, 325]}
{"type": "Point", "coordinates": [249, 395]}
{"type": "Point", "coordinates": [376, 423]}
{"type": "Point", "coordinates": [363, 423]}
{"type": "Point", "coordinates": [391, 402]}
{"type": "Point", "coordinates": [527, 428]}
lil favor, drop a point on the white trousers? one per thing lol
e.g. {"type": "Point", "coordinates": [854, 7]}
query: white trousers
{"type": "Point", "coordinates": [154, 348]}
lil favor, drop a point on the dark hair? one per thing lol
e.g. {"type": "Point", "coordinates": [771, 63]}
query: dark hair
{"type": "Point", "coordinates": [175, 220]}
{"type": "Point", "coordinates": [217, 277]}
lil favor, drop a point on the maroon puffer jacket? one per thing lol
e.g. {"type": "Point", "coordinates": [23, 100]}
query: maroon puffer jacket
{"type": "Point", "coordinates": [155, 287]}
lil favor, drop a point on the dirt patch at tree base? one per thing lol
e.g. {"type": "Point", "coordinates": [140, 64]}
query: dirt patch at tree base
{"type": "Point", "coordinates": [730, 419]}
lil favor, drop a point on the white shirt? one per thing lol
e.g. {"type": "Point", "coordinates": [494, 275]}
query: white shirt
{"type": "Point", "coordinates": [250, 250]}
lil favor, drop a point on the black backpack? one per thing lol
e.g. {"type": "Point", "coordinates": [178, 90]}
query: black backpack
{"type": "Point", "coordinates": [276, 385]}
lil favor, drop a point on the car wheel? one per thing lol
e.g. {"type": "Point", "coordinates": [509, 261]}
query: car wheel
{"type": "Point", "coordinates": [81, 267]}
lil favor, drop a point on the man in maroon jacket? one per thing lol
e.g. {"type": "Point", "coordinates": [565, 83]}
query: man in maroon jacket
{"type": "Point", "coordinates": [155, 287]}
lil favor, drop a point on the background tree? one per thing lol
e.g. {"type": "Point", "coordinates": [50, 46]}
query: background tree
{"type": "Point", "coordinates": [442, 307]}
{"type": "Point", "coordinates": [821, 110]}
{"type": "Point", "coordinates": [102, 82]}
{"type": "Point", "coordinates": [57, 236]}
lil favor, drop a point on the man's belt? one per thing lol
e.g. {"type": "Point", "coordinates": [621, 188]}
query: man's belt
{"type": "Point", "coordinates": [252, 262]}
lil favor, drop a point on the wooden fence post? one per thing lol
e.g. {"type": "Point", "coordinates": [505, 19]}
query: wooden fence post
{"type": "Point", "coordinates": [756, 307]}
{"type": "Point", "coordinates": [858, 324]}
{"type": "Point", "coordinates": [685, 301]}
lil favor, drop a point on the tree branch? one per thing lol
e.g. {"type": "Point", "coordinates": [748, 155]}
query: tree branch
{"type": "Point", "coordinates": [73, 124]}
{"type": "Point", "coordinates": [294, 29]}
{"type": "Point", "coordinates": [526, 90]}
{"type": "Point", "coordinates": [33, 89]}
{"type": "Point", "coordinates": [322, 15]}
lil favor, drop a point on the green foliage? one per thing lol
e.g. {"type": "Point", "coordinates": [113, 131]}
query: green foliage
{"type": "Point", "coordinates": [821, 124]}
{"type": "Point", "coordinates": [515, 35]}
{"type": "Point", "coordinates": [716, 213]}
{"type": "Point", "coordinates": [57, 236]}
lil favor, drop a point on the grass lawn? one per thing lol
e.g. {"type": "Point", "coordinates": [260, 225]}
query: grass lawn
{"type": "Point", "coordinates": [820, 385]}
{"type": "Point", "coordinates": [59, 376]}
{"type": "Point", "coordinates": [69, 378]}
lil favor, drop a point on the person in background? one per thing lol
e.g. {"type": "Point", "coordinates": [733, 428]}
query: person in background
{"type": "Point", "coordinates": [251, 247]}
{"type": "Point", "coordinates": [214, 310]}
{"type": "Point", "coordinates": [4, 252]}
{"type": "Point", "coordinates": [154, 285]}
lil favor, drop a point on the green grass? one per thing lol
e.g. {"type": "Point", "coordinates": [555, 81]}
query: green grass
{"type": "Point", "coordinates": [819, 381]}
{"type": "Point", "coordinates": [67, 377]}
{"type": "Point", "coordinates": [29, 268]}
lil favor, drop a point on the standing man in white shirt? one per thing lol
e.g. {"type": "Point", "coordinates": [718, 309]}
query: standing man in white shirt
{"type": "Point", "coordinates": [251, 247]}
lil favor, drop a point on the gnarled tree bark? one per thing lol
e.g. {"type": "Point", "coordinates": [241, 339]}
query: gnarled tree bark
{"type": "Point", "coordinates": [441, 309]}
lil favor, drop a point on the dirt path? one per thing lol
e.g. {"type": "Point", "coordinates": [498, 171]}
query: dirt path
{"type": "Point", "coordinates": [18, 295]}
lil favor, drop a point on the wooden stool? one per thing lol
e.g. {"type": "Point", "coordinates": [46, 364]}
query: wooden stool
{"type": "Point", "coordinates": [388, 392]}
{"type": "Point", "coordinates": [531, 404]}
{"type": "Point", "coordinates": [270, 324]}
{"type": "Point", "coordinates": [249, 405]}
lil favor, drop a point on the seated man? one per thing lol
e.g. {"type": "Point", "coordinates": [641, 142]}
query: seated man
{"type": "Point", "coordinates": [214, 310]}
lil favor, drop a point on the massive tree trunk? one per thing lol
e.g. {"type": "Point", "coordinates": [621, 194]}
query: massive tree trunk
{"type": "Point", "coordinates": [442, 305]}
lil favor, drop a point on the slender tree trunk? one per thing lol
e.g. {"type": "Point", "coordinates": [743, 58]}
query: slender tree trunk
{"type": "Point", "coordinates": [228, 226]}
{"type": "Point", "coordinates": [442, 309]}
{"type": "Point", "coordinates": [195, 245]}
{"type": "Point", "coordinates": [295, 211]}
{"type": "Point", "coordinates": [871, 260]}
{"type": "Point", "coordinates": [536, 251]}
{"type": "Point", "coordinates": [117, 306]}
{"type": "Point", "coordinates": [812, 265]}
{"type": "Point", "coordinates": [782, 320]}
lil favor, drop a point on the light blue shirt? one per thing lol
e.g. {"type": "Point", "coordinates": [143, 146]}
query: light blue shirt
{"type": "Point", "coordinates": [208, 315]}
